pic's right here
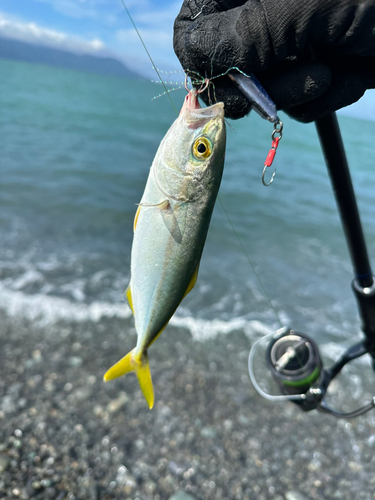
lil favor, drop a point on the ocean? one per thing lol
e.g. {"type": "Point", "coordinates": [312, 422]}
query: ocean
{"type": "Point", "coordinates": [76, 152]}
{"type": "Point", "coordinates": [76, 149]}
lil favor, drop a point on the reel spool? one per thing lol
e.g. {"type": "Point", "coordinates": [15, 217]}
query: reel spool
{"type": "Point", "coordinates": [294, 363]}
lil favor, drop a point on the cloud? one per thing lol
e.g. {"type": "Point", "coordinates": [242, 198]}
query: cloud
{"type": "Point", "coordinates": [30, 32]}
{"type": "Point", "coordinates": [153, 20]}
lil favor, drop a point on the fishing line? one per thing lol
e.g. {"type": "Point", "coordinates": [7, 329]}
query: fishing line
{"type": "Point", "coordinates": [251, 264]}
{"type": "Point", "coordinates": [221, 204]}
{"type": "Point", "coordinates": [148, 53]}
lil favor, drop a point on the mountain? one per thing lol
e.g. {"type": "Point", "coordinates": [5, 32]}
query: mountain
{"type": "Point", "coordinates": [21, 51]}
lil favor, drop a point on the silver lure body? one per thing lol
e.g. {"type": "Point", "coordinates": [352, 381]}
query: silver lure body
{"type": "Point", "coordinates": [256, 94]}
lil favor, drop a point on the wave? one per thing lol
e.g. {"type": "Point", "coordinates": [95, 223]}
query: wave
{"type": "Point", "coordinates": [46, 310]}
{"type": "Point", "coordinates": [49, 310]}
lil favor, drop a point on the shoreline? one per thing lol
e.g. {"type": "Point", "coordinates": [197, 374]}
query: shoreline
{"type": "Point", "coordinates": [66, 434]}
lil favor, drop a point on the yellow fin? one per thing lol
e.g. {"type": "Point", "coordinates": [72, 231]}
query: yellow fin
{"type": "Point", "coordinates": [128, 294]}
{"type": "Point", "coordinates": [153, 340]}
{"type": "Point", "coordinates": [189, 289]}
{"type": "Point", "coordinates": [125, 365]}
{"type": "Point", "coordinates": [136, 217]}
{"type": "Point", "coordinates": [145, 380]}
{"type": "Point", "coordinates": [141, 366]}
{"type": "Point", "coordinates": [190, 286]}
{"type": "Point", "coordinates": [192, 282]}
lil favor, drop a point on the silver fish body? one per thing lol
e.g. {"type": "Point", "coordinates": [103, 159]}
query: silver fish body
{"type": "Point", "coordinates": [171, 226]}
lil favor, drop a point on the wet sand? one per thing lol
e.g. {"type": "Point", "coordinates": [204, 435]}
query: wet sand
{"type": "Point", "coordinates": [64, 434]}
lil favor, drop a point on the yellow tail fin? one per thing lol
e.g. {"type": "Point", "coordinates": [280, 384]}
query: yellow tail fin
{"type": "Point", "coordinates": [140, 365]}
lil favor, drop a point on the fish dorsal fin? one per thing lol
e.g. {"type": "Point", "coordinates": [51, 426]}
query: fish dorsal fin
{"type": "Point", "coordinates": [128, 294]}
{"type": "Point", "coordinates": [192, 282]}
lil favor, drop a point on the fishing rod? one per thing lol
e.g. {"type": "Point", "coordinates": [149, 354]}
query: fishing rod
{"type": "Point", "coordinates": [293, 358]}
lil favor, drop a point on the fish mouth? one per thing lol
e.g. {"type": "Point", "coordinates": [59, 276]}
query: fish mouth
{"type": "Point", "coordinates": [196, 116]}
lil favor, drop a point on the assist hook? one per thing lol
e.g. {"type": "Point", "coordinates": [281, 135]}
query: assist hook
{"type": "Point", "coordinates": [276, 137]}
{"type": "Point", "coordinates": [265, 107]}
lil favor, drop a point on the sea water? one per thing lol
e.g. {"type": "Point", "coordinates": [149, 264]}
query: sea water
{"type": "Point", "coordinates": [76, 149]}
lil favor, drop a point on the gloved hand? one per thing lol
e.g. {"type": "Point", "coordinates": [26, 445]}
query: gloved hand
{"type": "Point", "coordinates": [312, 56]}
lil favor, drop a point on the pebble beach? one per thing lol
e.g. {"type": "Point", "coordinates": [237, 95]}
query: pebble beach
{"type": "Point", "coordinates": [65, 434]}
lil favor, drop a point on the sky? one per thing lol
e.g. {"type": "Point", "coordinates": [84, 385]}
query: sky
{"type": "Point", "coordinates": [102, 27]}
{"type": "Point", "coordinates": [98, 27]}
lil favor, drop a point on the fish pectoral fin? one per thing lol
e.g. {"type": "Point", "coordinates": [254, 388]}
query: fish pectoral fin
{"type": "Point", "coordinates": [192, 282]}
{"type": "Point", "coordinates": [140, 365]}
{"type": "Point", "coordinates": [162, 205]}
{"type": "Point", "coordinates": [128, 295]}
{"type": "Point", "coordinates": [168, 216]}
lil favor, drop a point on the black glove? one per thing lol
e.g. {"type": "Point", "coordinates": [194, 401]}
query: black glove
{"type": "Point", "coordinates": [312, 56]}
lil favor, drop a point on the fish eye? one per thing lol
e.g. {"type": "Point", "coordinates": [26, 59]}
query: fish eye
{"type": "Point", "coordinates": [202, 148]}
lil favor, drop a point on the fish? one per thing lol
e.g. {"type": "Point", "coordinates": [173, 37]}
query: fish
{"type": "Point", "coordinates": [170, 228]}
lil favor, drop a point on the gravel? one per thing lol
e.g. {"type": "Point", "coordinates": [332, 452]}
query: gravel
{"type": "Point", "coordinates": [64, 434]}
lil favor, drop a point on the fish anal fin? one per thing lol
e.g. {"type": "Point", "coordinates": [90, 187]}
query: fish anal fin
{"type": "Point", "coordinates": [153, 340]}
{"type": "Point", "coordinates": [190, 286]}
{"type": "Point", "coordinates": [192, 282]}
{"type": "Point", "coordinates": [128, 294]}
{"type": "Point", "coordinates": [140, 365]}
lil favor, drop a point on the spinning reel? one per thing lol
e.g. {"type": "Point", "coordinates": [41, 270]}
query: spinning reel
{"type": "Point", "coordinates": [296, 366]}
{"type": "Point", "coordinates": [292, 357]}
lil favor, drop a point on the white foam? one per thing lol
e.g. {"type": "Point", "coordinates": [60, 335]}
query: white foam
{"type": "Point", "coordinates": [28, 278]}
{"type": "Point", "coordinates": [202, 329]}
{"type": "Point", "coordinates": [75, 289]}
{"type": "Point", "coordinates": [48, 310]}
